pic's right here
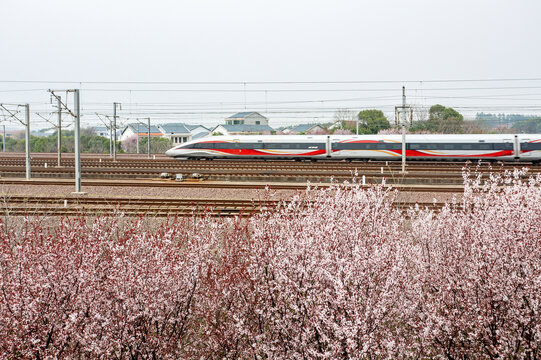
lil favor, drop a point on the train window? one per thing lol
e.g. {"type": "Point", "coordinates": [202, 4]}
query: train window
{"type": "Point", "coordinates": [530, 146]}
{"type": "Point", "coordinates": [466, 146]}
{"type": "Point", "coordinates": [414, 146]}
{"type": "Point", "coordinates": [203, 146]}
{"type": "Point", "coordinates": [485, 147]}
{"type": "Point", "coordinates": [448, 146]}
{"type": "Point", "coordinates": [503, 146]}
{"type": "Point", "coordinates": [295, 146]}
{"type": "Point", "coordinates": [223, 145]}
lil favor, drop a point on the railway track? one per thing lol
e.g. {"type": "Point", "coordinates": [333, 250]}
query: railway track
{"type": "Point", "coordinates": [260, 164]}
{"type": "Point", "coordinates": [21, 205]}
{"type": "Point", "coordinates": [102, 167]}
{"type": "Point", "coordinates": [263, 171]}
{"type": "Point", "coordinates": [215, 184]}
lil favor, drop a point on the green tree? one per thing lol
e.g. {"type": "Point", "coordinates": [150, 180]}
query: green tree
{"type": "Point", "coordinates": [441, 119]}
{"type": "Point", "coordinates": [158, 145]}
{"type": "Point", "coordinates": [372, 121]}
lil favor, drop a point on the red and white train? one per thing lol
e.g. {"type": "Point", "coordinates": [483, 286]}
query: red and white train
{"type": "Point", "coordinates": [510, 147]}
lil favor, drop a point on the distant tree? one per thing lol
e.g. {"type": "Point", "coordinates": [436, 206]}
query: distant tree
{"type": "Point", "coordinates": [345, 117]}
{"type": "Point", "coordinates": [476, 127]}
{"type": "Point", "coordinates": [499, 121]}
{"type": "Point", "coordinates": [342, 132]}
{"type": "Point", "coordinates": [129, 145]}
{"type": "Point", "coordinates": [372, 121]}
{"type": "Point", "coordinates": [89, 143]}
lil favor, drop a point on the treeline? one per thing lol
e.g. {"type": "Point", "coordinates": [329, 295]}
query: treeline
{"type": "Point", "coordinates": [89, 143]}
{"type": "Point", "coordinates": [442, 120]}
{"type": "Point", "coordinates": [517, 122]}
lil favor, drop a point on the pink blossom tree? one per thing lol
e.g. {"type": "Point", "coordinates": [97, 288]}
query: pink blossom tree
{"type": "Point", "coordinates": [333, 273]}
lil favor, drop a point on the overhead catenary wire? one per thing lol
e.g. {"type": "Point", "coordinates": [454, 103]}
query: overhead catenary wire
{"type": "Point", "coordinates": [275, 82]}
{"type": "Point", "coordinates": [284, 101]}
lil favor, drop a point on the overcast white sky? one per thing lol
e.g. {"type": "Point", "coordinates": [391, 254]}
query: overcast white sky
{"type": "Point", "coordinates": [245, 41]}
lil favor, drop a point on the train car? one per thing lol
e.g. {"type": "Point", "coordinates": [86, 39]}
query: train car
{"type": "Point", "coordinates": [523, 147]}
{"type": "Point", "coordinates": [253, 147]}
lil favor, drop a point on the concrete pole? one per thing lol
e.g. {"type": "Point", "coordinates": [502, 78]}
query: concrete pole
{"type": "Point", "coordinates": [357, 124]}
{"type": "Point", "coordinates": [77, 145]}
{"type": "Point", "coordinates": [148, 137]}
{"type": "Point", "coordinates": [110, 138]}
{"type": "Point", "coordinates": [59, 132]}
{"type": "Point", "coordinates": [27, 141]}
{"type": "Point", "coordinates": [114, 131]}
{"type": "Point", "coordinates": [404, 130]}
{"type": "Point", "coordinates": [4, 139]}
{"type": "Point", "coordinates": [138, 137]}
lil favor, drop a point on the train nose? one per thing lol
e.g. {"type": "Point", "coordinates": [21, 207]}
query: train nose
{"type": "Point", "coordinates": [170, 152]}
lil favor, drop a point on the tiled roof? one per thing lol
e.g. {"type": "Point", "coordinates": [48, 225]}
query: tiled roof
{"type": "Point", "coordinates": [154, 131]}
{"type": "Point", "coordinates": [191, 127]}
{"type": "Point", "coordinates": [242, 115]}
{"type": "Point", "coordinates": [200, 135]}
{"type": "Point", "coordinates": [176, 128]}
{"type": "Point", "coordinates": [303, 127]}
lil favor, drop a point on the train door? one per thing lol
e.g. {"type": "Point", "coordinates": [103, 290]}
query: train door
{"type": "Point", "coordinates": [513, 144]}
{"type": "Point", "coordinates": [328, 146]}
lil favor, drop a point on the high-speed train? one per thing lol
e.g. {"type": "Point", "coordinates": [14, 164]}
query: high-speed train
{"type": "Point", "coordinates": [510, 147]}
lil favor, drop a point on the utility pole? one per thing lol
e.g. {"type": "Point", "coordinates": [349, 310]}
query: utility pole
{"type": "Point", "coordinates": [114, 128]}
{"type": "Point", "coordinates": [137, 137]}
{"type": "Point", "coordinates": [401, 118]}
{"type": "Point", "coordinates": [148, 134]}
{"type": "Point", "coordinates": [26, 123]}
{"type": "Point", "coordinates": [107, 127]}
{"type": "Point", "coordinates": [27, 140]}
{"type": "Point", "coordinates": [4, 139]}
{"type": "Point", "coordinates": [77, 142]}
{"type": "Point", "coordinates": [59, 131]}
{"type": "Point", "coordinates": [77, 115]}
{"type": "Point", "coordinates": [110, 138]}
{"type": "Point", "coordinates": [148, 137]}
{"type": "Point", "coordinates": [404, 130]}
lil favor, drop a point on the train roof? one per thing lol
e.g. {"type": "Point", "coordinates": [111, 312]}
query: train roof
{"type": "Point", "coordinates": [393, 137]}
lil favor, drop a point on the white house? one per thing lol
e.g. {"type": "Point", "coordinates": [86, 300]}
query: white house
{"type": "Point", "coordinates": [247, 118]}
{"type": "Point", "coordinates": [134, 128]}
{"type": "Point", "coordinates": [179, 133]}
